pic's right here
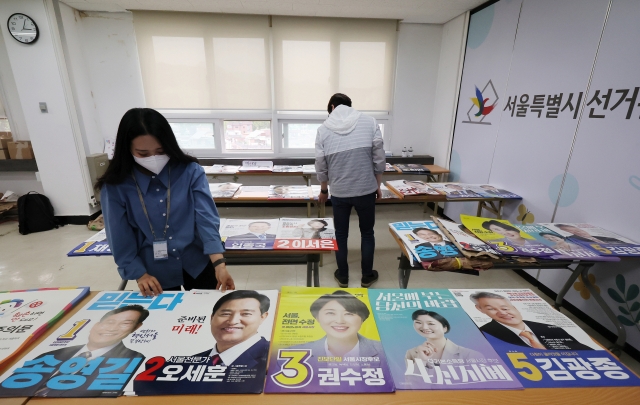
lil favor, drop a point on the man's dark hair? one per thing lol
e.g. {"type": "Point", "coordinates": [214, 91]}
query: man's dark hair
{"type": "Point", "coordinates": [552, 234]}
{"type": "Point", "coordinates": [338, 99]}
{"type": "Point", "coordinates": [434, 315]}
{"type": "Point", "coordinates": [263, 300]}
{"type": "Point", "coordinates": [348, 302]}
{"type": "Point", "coordinates": [416, 230]}
{"type": "Point", "coordinates": [144, 313]}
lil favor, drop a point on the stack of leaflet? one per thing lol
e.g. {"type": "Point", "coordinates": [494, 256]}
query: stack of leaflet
{"type": "Point", "coordinates": [315, 191]}
{"type": "Point", "coordinates": [221, 169]}
{"type": "Point", "coordinates": [223, 190]}
{"type": "Point", "coordinates": [489, 191]}
{"type": "Point", "coordinates": [306, 233]}
{"type": "Point", "coordinates": [454, 190]}
{"type": "Point", "coordinates": [26, 314]}
{"type": "Point", "coordinates": [388, 194]}
{"type": "Point", "coordinates": [309, 169]}
{"type": "Point", "coordinates": [571, 236]}
{"type": "Point", "coordinates": [249, 234]}
{"type": "Point", "coordinates": [425, 241]}
{"type": "Point", "coordinates": [465, 241]}
{"type": "Point", "coordinates": [389, 168]}
{"type": "Point", "coordinates": [412, 168]}
{"type": "Point", "coordinates": [256, 166]}
{"type": "Point", "coordinates": [287, 169]}
{"type": "Point", "coordinates": [252, 193]}
{"type": "Point", "coordinates": [407, 189]}
{"type": "Point", "coordinates": [286, 192]}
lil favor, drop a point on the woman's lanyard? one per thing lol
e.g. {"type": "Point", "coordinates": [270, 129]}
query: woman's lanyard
{"type": "Point", "coordinates": [160, 250]}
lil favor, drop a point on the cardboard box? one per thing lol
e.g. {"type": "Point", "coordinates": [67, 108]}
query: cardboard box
{"type": "Point", "coordinates": [5, 138]}
{"type": "Point", "coordinates": [4, 154]}
{"type": "Point", "coordinates": [20, 150]}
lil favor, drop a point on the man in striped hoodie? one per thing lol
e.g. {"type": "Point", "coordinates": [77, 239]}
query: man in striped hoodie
{"type": "Point", "coordinates": [350, 157]}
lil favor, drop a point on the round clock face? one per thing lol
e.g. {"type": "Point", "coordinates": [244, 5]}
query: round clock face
{"type": "Point", "coordinates": [23, 28]}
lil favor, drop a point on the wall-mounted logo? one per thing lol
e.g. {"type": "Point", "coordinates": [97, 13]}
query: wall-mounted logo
{"type": "Point", "coordinates": [482, 104]}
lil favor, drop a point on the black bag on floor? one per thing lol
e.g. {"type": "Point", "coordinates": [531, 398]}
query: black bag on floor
{"type": "Point", "coordinates": [35, 214]}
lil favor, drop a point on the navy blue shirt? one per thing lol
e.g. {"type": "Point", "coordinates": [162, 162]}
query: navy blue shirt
{"type": "Point", "coordinates": [193, 228]}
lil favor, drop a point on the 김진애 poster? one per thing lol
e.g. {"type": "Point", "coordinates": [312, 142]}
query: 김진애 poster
{"type": "Point", "coordinates": [326, 340]}
{"type": "Point", "coordinates": [541, 346]}
{"type": "Point", "coordinates": [431, 343]}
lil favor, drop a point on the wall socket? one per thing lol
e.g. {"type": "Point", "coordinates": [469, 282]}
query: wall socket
{"type": "Point", "coordinates": [43, 107]}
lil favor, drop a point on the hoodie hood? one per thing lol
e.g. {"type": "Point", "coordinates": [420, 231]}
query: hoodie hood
{"type": "Point", "coordinates": [342, 120]}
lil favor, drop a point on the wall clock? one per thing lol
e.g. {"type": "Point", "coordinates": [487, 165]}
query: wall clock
{"type": "Point", "coordinates": [23, 28]}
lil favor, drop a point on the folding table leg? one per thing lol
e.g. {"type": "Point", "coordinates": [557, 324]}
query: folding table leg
{"type": "Point", "coordinates": [565, 288]}
{"type": "Point", "coordinates": [309, 272]}
{"type": "Point", "coordinates": [404, 271]}
{"type": "Point", "coordinates": [123, 285]}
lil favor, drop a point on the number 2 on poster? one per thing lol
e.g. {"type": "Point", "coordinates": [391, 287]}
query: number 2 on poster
{"type": "Point", "coordinates": [295, 372]}
{"type": "Point", "coordinates": [517, 360]}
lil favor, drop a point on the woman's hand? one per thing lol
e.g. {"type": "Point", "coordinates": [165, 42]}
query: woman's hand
{"type": "Point", "coordinates": [149, 286]}
{"type": "Point", "coordinates": [424, 351]}
{"type": "Point", "coordinates": [225, 281]}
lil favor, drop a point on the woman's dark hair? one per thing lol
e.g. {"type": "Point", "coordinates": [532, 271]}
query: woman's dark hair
{"type": "Point", "coordinates": [552, 234]}
{"type": "Point", "coordinates": [348, 302]}
{"type": "Point", "coordinates": [434, 315]}
{"type": "Point", "coordinates": [338, 99]}
{"type": "Point", "coordinates": [487, 224]}
{"type": "Point", "coordinates": [136, 122]}
{"type": "Point", "coordinates": [324, 228]}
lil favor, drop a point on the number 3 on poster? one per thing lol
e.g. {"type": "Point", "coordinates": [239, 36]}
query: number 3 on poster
{"type": "Point", "coordinates": [295, 372]}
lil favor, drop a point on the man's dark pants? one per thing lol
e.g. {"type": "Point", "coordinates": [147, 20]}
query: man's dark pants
{"type": "Point", "coordinates": [366, 209]}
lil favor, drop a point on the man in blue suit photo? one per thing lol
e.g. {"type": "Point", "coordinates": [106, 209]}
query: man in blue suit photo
{"type": "Point", "coordinates": [235, 320]}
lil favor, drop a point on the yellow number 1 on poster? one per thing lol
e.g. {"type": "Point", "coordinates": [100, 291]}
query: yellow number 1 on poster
{"type": "Point", "coordinates": [71, 333]}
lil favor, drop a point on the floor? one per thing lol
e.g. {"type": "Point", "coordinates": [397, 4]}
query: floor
{"type": "Point", "coordinates": [39, 260]}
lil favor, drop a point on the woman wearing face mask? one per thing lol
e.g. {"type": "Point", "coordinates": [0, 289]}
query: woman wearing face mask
{"type": "Point", "coordinates": [161, 222]}
{"type": "Point", "coordinates": [436, 348]}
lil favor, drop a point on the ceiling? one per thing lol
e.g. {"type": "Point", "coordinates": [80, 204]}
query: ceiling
{"type": "Point", "coordinates": [411, 11]}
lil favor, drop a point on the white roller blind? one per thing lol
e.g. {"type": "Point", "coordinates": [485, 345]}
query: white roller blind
{"type": "Point", "coordinates": [317, 57]}
{"type": "Point", "coordinates": [197, 60]}
{"type": "Point", "coordinates": [2, 113]}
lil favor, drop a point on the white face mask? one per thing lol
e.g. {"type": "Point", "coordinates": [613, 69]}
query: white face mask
{"type": "Point", "coordinates": [154, 164]}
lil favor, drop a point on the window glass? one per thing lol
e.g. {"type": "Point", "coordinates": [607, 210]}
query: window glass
{"type": "Point", "coordinates": [247, 135]}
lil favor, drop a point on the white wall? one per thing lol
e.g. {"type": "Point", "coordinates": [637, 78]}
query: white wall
{"type": "Point", "coordinates": [38, 77]}
{"type": "Point", "coordinates": [415, 87]}
{"type": "Point", "coordinates": [454, 35]}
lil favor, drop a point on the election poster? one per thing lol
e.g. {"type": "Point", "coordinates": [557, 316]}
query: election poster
{"type": "Point", "coordinates": [431, 343]}
{"type": "Point", "coordinates": [176, 342]}
{"type": "Point", "coordinates": [249, 234]}
{"type": "Point", "coordinates": [223, 190]}
{"type": "Point", "coordinates": [306, 233]}
{"type": "Point", "coordinates": [26, 314]}
{"type": "Point", "coordinates": [504, 237]}
{"type": "Point", "coordinates": [288, 192]}
{"type": "Point", "coordinates": [454, 190]}
{"type": "Point", "coordinates": [425, 240]}
{"type": "Point", "coordinates": [466, 241]}
{"type": "Point", "coordinates": [606, 243]}
{"type": "Point", "coordinates": [326, 341]}
{"type": "Point", "coordinates": [564, 247]}
{"type": "Point", "coordinates": [96, 245]}
{"type": "Point", "coordinates": [213, 342]}
{"type": "Point", "coordinates": [540, 345]}
{"type": "Point", "coordinates": [489, 191]}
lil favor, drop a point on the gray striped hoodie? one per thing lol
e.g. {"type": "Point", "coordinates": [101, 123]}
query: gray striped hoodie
{"type": "Point", "coordinates": [349, 152]}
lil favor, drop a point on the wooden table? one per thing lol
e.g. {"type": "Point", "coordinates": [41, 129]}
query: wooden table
{"type": "Point", "coordinates": [435, 173]}
{"type": "Point", "coordinates": [566, 396]}
{"type": "Point", "coordinates": [18, 358]}
{"type": "Point", "coordinates": [581, 269]}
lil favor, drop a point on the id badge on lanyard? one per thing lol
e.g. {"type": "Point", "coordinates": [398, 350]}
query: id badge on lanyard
{"type": "Point", "coordinates": [160, 250]}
